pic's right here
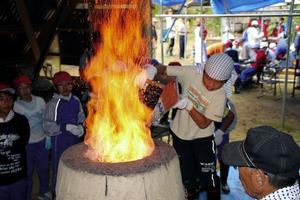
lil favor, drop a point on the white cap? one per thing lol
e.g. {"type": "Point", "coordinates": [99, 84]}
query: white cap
{"type": "Point", "coordinates": [272, 45]}
{"type": "Point", "coordinates": [263, 44]}
{"type": "Point", "coordinates": [254, 23]}
{"type": "Point", "coordinates": [219, 67]}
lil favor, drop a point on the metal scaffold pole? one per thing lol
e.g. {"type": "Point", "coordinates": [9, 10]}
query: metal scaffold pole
{"type": "Point", "coordinates": [283, 107]}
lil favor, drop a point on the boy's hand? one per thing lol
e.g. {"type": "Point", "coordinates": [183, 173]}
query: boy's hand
{"type": "Point", "coordinates": [219, 136]}
{"type": "Point", "coordinates": [48, 143]}
{"type": "Point", "coordinates": [184, 103]}
{"type": "Point", "coordinates": [147, 73]}
{"type": "Point", "coordinates": [75, 130]}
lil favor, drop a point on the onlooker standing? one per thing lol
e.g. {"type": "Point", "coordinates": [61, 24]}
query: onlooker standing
{"type": "Point", "coordinates": [265, 28]}
{"type": "Point", "coordinates": [153, 37]}
{"type": "Point", "coordinates": [63, 120]}
{"type": "Point", "coordinates": [33, 108]}
{"type": "Point", "coordinates": [14, 136]}
{"type": "Point", "coordinates": [172, 32]}
{"type": "Point", "coordinates": [181, 30]}
{"type": "Point", "coordinates": [200, 34]}
{"type": "Point", "coordinates": [282, 26]}
{"type": "Point", "coordinates": [268, 161]}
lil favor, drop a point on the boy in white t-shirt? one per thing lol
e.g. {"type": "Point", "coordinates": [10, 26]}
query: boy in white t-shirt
{"type": "Point", "coordinates": [202, 102]}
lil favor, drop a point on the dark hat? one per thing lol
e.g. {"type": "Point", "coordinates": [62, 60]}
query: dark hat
{"type": "Point", "coordinates": [267, 149]}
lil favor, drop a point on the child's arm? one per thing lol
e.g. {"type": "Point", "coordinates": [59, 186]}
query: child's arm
{"type": "Point", "coordinates": [50, 125]}
{"type": "Point", "coordinates": [200, 119]}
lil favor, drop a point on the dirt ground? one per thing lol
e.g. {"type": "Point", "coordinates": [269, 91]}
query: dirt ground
{"type": "Point", "coordinates": [266, 110]}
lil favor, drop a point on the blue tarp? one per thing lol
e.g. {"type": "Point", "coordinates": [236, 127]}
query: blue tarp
{"type": "Point", "coordinates": [226, 6]}
{"type": "Point", "coordinates": [235, 6]}
{"type": "Point", "coordinates": [167, 2]}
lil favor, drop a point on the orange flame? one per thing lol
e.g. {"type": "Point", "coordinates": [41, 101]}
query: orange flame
{"type": "Point", "coordinates": [116, 123]}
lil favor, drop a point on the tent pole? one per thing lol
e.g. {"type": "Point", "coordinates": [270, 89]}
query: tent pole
{"type": "Point", "coordinates": [161, 33]}
{"type": "Point", "coordinates": [283, 107]}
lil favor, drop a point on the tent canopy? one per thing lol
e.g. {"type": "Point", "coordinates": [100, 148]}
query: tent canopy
{"type": "Point", "coordinates": [226, 6]}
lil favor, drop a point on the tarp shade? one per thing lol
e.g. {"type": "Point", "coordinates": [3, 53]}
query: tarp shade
{"type": "Point", "coordinates": [167, 2]}
{"type": "Point", "coordinates": [226, 6]}
{"type": "Point", "coordinates": [235, 6]}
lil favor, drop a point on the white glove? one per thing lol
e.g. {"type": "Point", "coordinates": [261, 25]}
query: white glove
{"type": "Point", "coordinates": [184, 103]}
{"type": "Point", "coordinates": [148, 73]}
{"type": "Point", "coordinates": [219, 136]}
{"type": "Point", "coordinates": [75, 130]}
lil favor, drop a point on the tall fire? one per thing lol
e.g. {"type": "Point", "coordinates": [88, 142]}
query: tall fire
{"type": "Point", "coordinates": [118, 159]}
{"type": "Point", "coordinates": [116, 122]}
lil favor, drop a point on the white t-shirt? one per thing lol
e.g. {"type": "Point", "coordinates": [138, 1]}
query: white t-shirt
{"type": "Point", "coordinates": [210, 103]}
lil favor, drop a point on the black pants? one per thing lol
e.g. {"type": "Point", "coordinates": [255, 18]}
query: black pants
{"type": "Point", "coordinates": [171, 46]}
{"type": "Point", "coordinates": [181, 46]}
{"type": "Point", "coordinates": [197, 160]}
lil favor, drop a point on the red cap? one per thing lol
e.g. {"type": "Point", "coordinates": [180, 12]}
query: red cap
{"type": "Point", "coordinates": [228, 44]}
{"type": "Point", "coordinates": [4, 88]}
{"type": "Point", "coordinates": [22, 79]}
{"type": "Point", "coordinates": [297, 27]}
{"type": "Point", "coordinates": [61, 76]}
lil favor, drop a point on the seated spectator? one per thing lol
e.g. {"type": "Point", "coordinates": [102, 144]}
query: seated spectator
{"type": "Point", "coordinates": [255, 67]}
{"type": "Point", "coordinates": [268, 161]}
{"type": "Point", "coordinates": [233, 53]}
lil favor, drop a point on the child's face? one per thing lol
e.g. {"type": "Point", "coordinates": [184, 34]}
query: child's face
{"type": "Point", "coordinates": [211, 84]}
{"type": "Point", "coordinates": [24, 91]}
{"type": "Point", "coordinates": [64, 88]}
{"type": "Point", "coordinates": [6, 103]}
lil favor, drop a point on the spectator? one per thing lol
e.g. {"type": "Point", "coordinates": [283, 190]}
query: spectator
{"type": "Point", "coordinates": [202, 103]}
{"type": "Point", "coordinates": [200, 34]}
{"type": "Point", "coordinates": [172, 33]}
{"type": "Point", "coordinates": [154, 37]}
{"type": "Point", "coordinates": [14, 136]}
{"type": "Point", "coordinates": [268, 161]}
{"type": "Point", "coordinates": [253, 37]}
{"type": "Point", "coordinates": [33, 108]}
{"type": "Point", "coordinates": [181, 30]}
{"type": "Point", "coordinates": [265, 28]}
{"type": "Point", "coordinates": [259, 61]}
{"type": "Point", "coordinates": [282, 26]}
{"type": "Point", "coordinates": [275, 30]}
{"type": "Point", "coordinates": [63, 120]}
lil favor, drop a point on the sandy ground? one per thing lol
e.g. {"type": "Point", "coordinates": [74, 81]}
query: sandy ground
{"type": "Point", "coordinates": [266, 110]}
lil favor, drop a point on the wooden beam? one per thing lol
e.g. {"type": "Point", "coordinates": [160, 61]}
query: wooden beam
{"type": "Point", "coordinates": [22, 10]}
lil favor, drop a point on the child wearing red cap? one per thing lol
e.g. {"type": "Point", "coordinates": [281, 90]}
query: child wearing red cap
{"type": "Point", "coordinates": [63, 120]}
{"type": "Point", "coordinates": [14, 136]}
{"type": "Point", "coordinates": [33, 108]}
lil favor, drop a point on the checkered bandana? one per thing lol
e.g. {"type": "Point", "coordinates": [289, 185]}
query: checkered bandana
{"type": "Point", "coordinates": [219, 67]}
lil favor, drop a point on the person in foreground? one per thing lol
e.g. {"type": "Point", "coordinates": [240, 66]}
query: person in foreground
{"type": "Point", "coordinates": [268, 162]}
{"type": "Point", "coordinates": [202, 102]}
{"type": "Point", "coordinates": [14, 137]}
